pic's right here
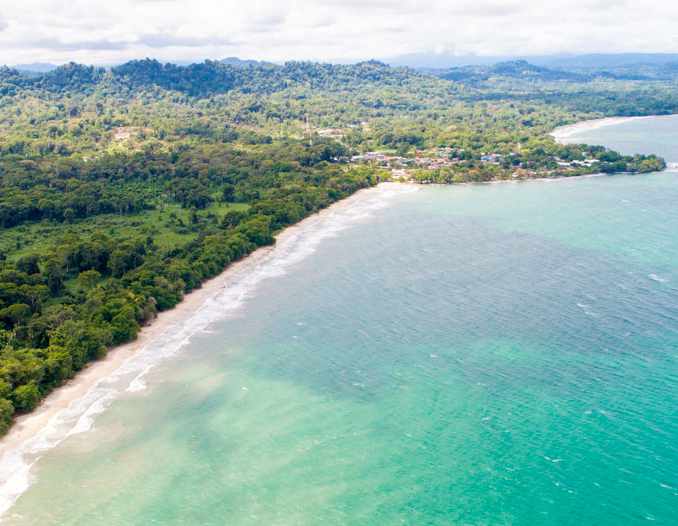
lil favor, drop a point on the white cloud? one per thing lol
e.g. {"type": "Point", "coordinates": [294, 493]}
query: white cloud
{"type": "Point", "coordinates": [178, 30]}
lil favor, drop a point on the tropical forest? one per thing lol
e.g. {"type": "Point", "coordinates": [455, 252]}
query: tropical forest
{"type": "Point", "coordinates": [123, 189]}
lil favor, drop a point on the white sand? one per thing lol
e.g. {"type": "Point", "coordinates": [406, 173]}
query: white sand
{"type": "Point", "coordinates": [28, 426]}
{"type": "Point", "coordinates": [563, 134]}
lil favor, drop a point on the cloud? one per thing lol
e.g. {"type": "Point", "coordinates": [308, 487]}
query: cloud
{"type": "Point", "coordinates": [54, 44]}
{"type": "Point", "coordinates": [164, 40]}
{"type": "Point", "coordinates": [110, 32]}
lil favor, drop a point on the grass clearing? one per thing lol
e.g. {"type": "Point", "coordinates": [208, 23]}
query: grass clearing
{"type": "Point", "coordinates": [169, 225]}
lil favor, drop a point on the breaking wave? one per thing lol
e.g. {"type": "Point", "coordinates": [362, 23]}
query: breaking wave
{"type": "Point", "coordinates": [80, 415]}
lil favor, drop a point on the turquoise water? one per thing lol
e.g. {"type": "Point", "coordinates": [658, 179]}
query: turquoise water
{"type": "Point", "coordinates": [647, 135]}
{"type": "Point", "coordinates": [475, 355]}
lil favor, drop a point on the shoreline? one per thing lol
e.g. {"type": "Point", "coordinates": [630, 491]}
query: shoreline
{"type": "Point", "coordinates": [551, 178]}
{"type": "Point", "coordinates": [565, 133]}
{"type": "Point", "coordinates": [29, 426]}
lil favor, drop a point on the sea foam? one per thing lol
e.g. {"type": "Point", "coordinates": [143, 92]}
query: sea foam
{"type": "Point", "coordinates": [79, 417]}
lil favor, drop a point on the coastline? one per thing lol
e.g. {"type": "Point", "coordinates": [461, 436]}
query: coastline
{"type": "Point", "coordinates": [29, 426]}
{"type": "Point", "coordinates": [565, 133]}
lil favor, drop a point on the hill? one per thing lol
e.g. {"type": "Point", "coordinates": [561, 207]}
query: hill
{"type": "Point", "coordinates": [34, 68]}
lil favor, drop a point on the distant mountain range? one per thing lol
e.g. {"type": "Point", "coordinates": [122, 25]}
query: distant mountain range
{"type": "Point", "coordinates": [35, 68]}
{"type": "Point", "coordinates": [521, 69]}
{"type": "Point", "coordinates": [448, 60]}
{"type": "Point", "coordinates": [516, 69]}
{"type": "Point", "coordinates": [601, 61]}
{"type": "Point", "coordinates": [643, 66]}
{"type": "Point", "coordinates": [239, 63]}
{"type": "Point", "coordinates": [563, 61]}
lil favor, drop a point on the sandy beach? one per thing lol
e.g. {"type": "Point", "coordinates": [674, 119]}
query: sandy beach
{"type": "Point", "coordinates": [30, 425]}
{"type": "Point", "coordinates": [563, 134]}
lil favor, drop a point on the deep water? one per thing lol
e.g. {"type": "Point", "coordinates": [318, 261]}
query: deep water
{"type": "Point", "coordinates": [498, 354]}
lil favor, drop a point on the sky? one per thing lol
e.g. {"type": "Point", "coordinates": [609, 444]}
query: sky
{"type": "Point", "coordinates": [115, 31]}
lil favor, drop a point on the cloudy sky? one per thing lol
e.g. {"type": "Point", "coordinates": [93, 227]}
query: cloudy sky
{"type": "Point", "coordinates": [109, 32]}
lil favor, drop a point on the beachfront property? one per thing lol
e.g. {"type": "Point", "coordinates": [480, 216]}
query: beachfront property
{"type": "Point", "coordinates": [450, 165]}
{"type": "Point", "coordinates": [402, 168]}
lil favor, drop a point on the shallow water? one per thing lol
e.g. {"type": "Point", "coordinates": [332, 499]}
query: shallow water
{"type": "Point", "coordinates": [480, 354]}
{"type": "Point", "coordinates": [646, 135]}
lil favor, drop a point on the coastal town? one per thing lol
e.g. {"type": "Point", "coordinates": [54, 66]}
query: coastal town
{"type": "Point", "coordinates": [513, 159]}
{"type": "Point", "coordinates": [450, 165]}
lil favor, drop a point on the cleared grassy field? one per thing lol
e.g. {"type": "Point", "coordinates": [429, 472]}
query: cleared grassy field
{"type": "Point", "coordinates": [169, 225]}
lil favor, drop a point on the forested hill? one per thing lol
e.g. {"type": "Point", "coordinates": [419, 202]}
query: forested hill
{"type": "Point", "coordinates": [210, 77]}
{"type": "Point", "coordinates": [77, 109]}
{"type": "Point", "coordinates": [122, 190]}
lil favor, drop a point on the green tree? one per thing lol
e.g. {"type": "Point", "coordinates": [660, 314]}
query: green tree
{"type": "Point", "coordinates": [55, 274]}
{"type": "Point", "coordinates": [88, 279]}
{"type": "Point", "coordinates": [19, 313]}
{"type": "Point", "coordinates": [26, 397]}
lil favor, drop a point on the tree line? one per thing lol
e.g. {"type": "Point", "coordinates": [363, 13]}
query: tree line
{"type": "Point", "coordinates": [82, 144]}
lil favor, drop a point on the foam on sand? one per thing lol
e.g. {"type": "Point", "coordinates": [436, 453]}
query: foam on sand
{"type": "Point", "coordinates": [74, 407]}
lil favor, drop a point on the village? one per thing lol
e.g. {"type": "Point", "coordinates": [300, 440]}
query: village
{"type": "Point", "coordinates": [433, 160]}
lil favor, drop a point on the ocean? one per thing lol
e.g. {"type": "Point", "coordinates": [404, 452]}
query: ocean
{"type": "Point", "coordinates": [487, 354]}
